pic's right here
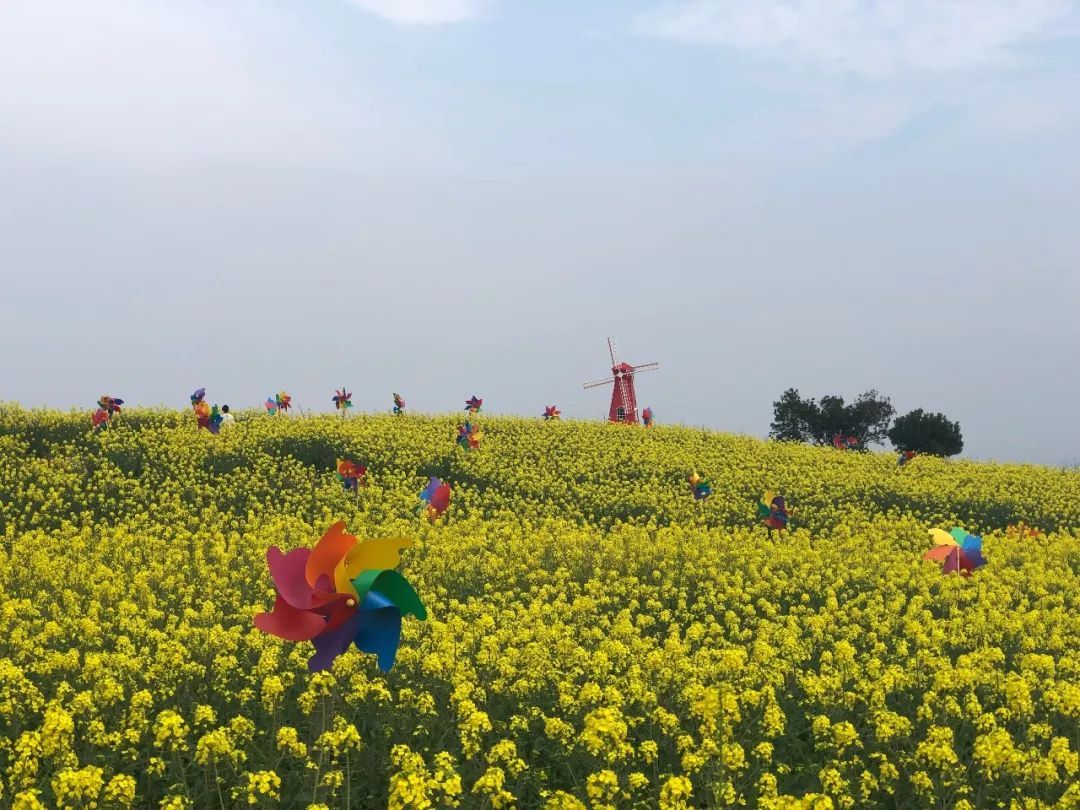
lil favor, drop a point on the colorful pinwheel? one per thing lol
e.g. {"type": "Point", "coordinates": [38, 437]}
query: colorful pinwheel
{"type": "Point", "coordinates": [107, 408]}
{"type": "Point", "coordinates": [469, 436]}
{"type": "Point", "coordinates": [960, 551]}
{"type": "Point", "coordinates": [213, 423]}
{"type": "Point", "coordinates": [472, 405]}
{"type": "Point", "coordinates": [271, 405]}
{"type": "Point", "coordinates": [350, 474]}
{"type": "Point", "coordinates": [773, 511]}
{"type": "Point", "coordinates": [842, 442]}
{"type": "Point", "coordinates": [647, 417]}
{"type": "Point", "coordinates": [284, 401]}
{"type": "Point", "coordinates": [701, 488]}
{"type": "Point", "coordinates": [110, 405]}
{"type": "Point", "coordinates": [339, 593]}
{"type": "Point", "coordinates": [342, 399]}
{"type": "Point", "coordinates": [905, 457]}
{"type": "Point", "coordinates": [552, 412]}
{"type": "Point", "coordinates": [1022, 531]}
{"type": "Point", "coordinates": [399, 405]}
{"type": "Point", "coordinates": [436, 496]}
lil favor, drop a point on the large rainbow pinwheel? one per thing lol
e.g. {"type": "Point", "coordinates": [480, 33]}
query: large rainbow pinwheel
{"type": "Point", "coordinates": [647, 417]}
{"type": "Point", "coordinates": [271, 406]}
{"type": "Point", "coordinates": [339, 593]}
{"type": "Point", "coordinates": [350, 474]}
{"type": "Point", "coordinates": [284, 401]}
{"type": "Point", "coordinates": [342, 399]}
{"type": "Point", "coordinates": [701, 487]}
{"type": "Point", "coordinates": [469, 436]}
{"type": "Point", "coordinates": [552, 412]}
{"type": "Point", "coordinates": [842, 442]}
{"type": "Point", "coordinates": [435, 499]}
{"type": "Point", "coordinates": [960, 551]}
{"type": "Point", "coordinates": [473, 403]}
{"type": "Point", "coordinates": [107, 407]}
{"type": "Point", "coordinates": [905, 457]}
{"type": "Point", "coordinates": [773, 511]}
{"type": "Point", "coordinates": [399, 405]}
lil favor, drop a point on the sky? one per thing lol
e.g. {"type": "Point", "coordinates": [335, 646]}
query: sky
{"type": "Point", "coordinates": [449, 197]}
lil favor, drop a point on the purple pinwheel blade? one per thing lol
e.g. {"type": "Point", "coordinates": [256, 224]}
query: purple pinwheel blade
{"type": "Point", "coordinates": [429, 490]}
{"type": "Point", "coordinates": [330, 645]}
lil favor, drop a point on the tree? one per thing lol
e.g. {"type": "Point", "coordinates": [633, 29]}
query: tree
{"type": "Point", "coordinates": [930, 433]}
{"type": "Point", "coordinates": [807, 420]}
{"type": "Point", "coordinates": [791, 417]}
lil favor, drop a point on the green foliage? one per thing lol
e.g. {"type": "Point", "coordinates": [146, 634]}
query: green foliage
{"type": "Point", "coordinates": [817, 422]}
{"type": "Point", "coordinates": [930, 433]}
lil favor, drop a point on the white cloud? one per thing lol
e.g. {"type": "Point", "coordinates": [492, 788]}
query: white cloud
{"type": "Point", "coordinates": [422, 12]}
{"type": "Point", "coordinates": [869, 38]}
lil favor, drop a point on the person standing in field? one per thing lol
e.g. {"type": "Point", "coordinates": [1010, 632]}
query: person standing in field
{"type": "Point", "coordinates": [226, 417]}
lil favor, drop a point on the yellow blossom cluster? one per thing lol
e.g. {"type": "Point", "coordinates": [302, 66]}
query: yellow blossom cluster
{"type": "Point", "coordinates": [596, 637]}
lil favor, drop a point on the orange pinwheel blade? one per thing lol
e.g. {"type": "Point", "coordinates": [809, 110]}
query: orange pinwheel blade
{"type": "Point", "coordinates": [938, 553]}
{"type": "Point", "coordinates": [328, 552]}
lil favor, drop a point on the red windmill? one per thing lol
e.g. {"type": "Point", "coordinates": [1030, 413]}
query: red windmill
{"type": "Point", "coordinates": [623, 400]}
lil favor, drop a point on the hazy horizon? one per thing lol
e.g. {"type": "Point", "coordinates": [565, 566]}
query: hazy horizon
{"type": "Point", "coordinates": [449, 197]}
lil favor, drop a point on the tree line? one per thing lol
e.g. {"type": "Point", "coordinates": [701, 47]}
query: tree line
{"type": "Point", "coordinates": [868, 420]}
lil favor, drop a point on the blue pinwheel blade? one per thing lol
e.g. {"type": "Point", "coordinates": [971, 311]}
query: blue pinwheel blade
{"type": "Point", "coordinates": [379, 630]}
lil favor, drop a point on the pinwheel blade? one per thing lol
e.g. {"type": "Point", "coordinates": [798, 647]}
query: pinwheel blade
{"type": "Point", "coordinates": [371, 555]}
{"type": "Point", "coordinates": [379, 630]}
{"type": "Point", "coordinates": [941, 538]}
{"type": "Point", "coordinates": [286, 622]}
{"type": "Point", "coordinates": [328, 552]}
{"type": "Point", "coordinates": [331, 644]}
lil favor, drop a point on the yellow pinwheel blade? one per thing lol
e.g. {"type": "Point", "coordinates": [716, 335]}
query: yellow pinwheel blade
{"type": "Point", "coordinates": [942, 538]}
{"type": "Point", "coordinates": [380, 554]}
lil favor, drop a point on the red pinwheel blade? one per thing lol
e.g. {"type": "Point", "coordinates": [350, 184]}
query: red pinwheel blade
{"type": "Point", "coordinates": [441, 499]}
{"type": "Point", "coordinates": [291, 624]}
{"type": "Point", "coordinates": [287, 571]}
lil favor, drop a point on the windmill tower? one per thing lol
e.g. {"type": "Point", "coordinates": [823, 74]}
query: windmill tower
{"type": "Point", "coordinates": [623, 399]}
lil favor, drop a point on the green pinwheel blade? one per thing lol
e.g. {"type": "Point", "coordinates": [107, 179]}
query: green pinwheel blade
{"type": "Point", "coordinates": [394, 587]}
{"type": "Point", "coordinates": [959, 535]}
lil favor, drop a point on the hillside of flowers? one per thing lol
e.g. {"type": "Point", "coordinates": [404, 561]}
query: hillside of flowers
{"type": "Point", "coordinates": [595, 636]}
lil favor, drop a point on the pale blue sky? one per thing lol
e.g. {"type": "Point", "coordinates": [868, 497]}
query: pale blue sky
{"type": "Point", "coordinates": [448, 197]}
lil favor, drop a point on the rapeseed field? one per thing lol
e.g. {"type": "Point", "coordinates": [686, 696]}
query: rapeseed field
{"type": "Point", "coordinates": [596, 637]}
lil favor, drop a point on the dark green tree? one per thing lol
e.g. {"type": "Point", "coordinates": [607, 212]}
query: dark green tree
{"type": "Point", "coordinates": [809, 420]}
{"type": "Point", "coordinates": [930, 433]}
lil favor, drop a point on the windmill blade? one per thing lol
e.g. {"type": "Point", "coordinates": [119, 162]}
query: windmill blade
{"type": "Point", "coordinates": [611, 350]}
{"type": "Point", "coordinates": [597, 383]}
{"type": "Point", "coordinates": [646, 367]}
